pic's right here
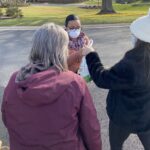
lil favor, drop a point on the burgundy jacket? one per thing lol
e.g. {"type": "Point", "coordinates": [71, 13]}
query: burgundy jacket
{"type": "Point", "coordinates": [50, 111]}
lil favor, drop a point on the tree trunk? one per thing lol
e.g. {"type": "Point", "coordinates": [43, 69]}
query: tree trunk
{"type": "Point", "coordinates": [1, 4]}
{"type": "Point", "coordinates": [107, 7]}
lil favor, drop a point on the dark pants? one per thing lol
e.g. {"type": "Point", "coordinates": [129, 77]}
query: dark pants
{"type": "Point", "coordinates": [117, 137]}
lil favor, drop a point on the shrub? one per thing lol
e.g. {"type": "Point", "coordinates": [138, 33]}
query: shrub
{"type": "Point", "coordinates": [14, 12]}
{"type": "Point", "coordinates": [5, 4]}
{"type": "Point", "coordinates": [13, 3]}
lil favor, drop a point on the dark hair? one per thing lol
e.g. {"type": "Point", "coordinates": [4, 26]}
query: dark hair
{"type": "Point", "coordinates": [146, 47]}
{"type": "Point", "coordinates": [70, 18]}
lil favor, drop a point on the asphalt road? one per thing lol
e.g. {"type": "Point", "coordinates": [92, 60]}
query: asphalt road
{"type": "Point", "coordinates": [111, 43]}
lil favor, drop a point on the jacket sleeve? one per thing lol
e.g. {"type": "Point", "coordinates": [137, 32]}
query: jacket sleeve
{"type": "Point", "coordinates": [120, 76]}
{"type": "Point", "coordinates": [4, 100]}
{"type": "Point", "coordinates": [89, 124]}
{"type": "Point", "coordinates": [3, 108]}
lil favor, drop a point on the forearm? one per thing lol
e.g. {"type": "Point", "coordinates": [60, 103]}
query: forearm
{"type": "Point", "coordinates": [95, 67]}
{"type": "Point", "coordinates": [119, 76]}
{"type": "Point", "coordinates": [92, 135]}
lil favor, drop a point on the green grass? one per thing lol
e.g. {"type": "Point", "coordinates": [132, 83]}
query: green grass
{"type": "Point", "coordinates": [93, 2]}
{"type": "Point", "coordinates": [38, 15]}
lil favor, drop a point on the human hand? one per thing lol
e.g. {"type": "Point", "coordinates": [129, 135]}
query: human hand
{"type": "Point", "coordinates": [86, 40]}
{"type": "Point", "coordinates": [88, 48]}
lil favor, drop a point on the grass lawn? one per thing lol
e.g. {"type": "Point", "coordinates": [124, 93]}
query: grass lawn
{"type": "Point", "coordinates": [37, 15]}
{"type": "Point", "coordinates": [93, 2]}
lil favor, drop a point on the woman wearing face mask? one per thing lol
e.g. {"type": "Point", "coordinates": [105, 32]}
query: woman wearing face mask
{"type": "Point", "coordinates": [77, 40]}
{"type": "Point", "coordinates": [128, 81]}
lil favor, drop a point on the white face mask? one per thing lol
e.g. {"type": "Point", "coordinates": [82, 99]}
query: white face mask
{"type": "Point", "coordinates": [74, 33]}
{"type": "Point", "coordinates": [133, 40]}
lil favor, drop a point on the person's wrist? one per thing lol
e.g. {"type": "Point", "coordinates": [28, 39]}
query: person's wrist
{"type": "Point", "coordinates": [87, 50]}
{"type": "Point", "coordinates": [91, 49]}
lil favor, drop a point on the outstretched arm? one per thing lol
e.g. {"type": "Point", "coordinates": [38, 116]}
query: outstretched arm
{"type": "Point", "coordinates": [120, 76]}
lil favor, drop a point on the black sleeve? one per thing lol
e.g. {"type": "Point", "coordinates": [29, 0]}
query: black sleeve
{"type": "Point", "coordinates": [120, 76]}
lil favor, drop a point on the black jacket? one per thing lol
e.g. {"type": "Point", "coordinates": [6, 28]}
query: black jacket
{"type": "Point", "coordinates": [128, 100]}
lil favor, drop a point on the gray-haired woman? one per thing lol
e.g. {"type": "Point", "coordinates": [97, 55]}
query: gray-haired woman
{"type": "Point", "coordinates": [47, 107]}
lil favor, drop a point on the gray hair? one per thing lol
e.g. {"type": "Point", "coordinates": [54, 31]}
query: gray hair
{"type": "Point", "coordinates": [50, 47]}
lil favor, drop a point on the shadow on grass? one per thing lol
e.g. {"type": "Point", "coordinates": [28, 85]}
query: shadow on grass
{"type": "Point", "coordinates": [30, 21]}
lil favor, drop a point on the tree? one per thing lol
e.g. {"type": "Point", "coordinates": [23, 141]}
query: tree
{"type": "Point", "coordinates": [1, 4]}
{"type": "Point", "coordinates": [107, 7]}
